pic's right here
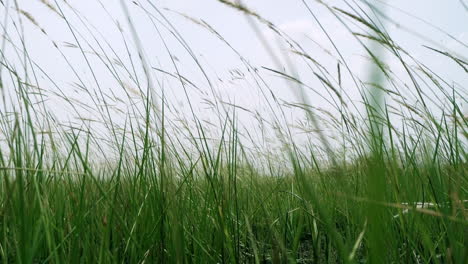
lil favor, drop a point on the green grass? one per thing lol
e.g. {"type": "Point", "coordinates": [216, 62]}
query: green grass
{"type": "Point", "coordinates": [392, 187]}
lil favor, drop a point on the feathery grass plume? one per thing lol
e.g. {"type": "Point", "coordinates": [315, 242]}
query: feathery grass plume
{"type": "Point", "coordinates": [50, 6]}
{"type": "Point", "coordinates": [239, 6]}
{"type": "Point", "coordinates": [31, 19]}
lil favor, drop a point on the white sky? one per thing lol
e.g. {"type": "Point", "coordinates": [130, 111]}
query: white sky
{"type": "Point", "coordinates": [217, 59]}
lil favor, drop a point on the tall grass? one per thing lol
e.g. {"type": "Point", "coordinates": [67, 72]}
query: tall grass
{"type": "Point", "coordinates": [132, 180]}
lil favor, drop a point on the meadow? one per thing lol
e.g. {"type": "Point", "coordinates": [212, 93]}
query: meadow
{"type": "Point", "coordinates": [379, 179]}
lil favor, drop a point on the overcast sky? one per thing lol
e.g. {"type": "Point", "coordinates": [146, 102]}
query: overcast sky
{"type": "Point", "coordinates": [95, 24]}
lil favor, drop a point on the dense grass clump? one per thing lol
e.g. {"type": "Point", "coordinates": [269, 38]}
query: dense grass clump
{"type": "Point", "coordinates": [129, 179]}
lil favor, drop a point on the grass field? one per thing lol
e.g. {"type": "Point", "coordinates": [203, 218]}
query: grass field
{"type": "Point", "coordinates": [390, 185]}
